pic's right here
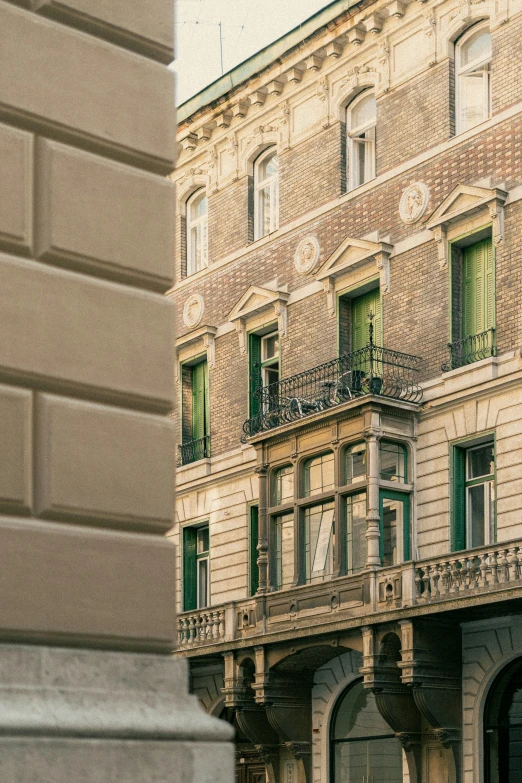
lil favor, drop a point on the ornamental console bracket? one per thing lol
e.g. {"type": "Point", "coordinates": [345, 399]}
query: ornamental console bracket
{"type": "Point", "coordinates": [465, 202]}
{"type": "Point", "coordinates": [257, 303]}
{"type": "Point", "coordinates": [189, 345]}
{"type": "Point", "coordinates": [351, 255]}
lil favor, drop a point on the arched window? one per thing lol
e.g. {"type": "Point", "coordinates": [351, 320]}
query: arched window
{"type": "Point", "coordinates": [266, 193]}
{"type": "Point", "coordinates": [473, 87]}
{"type": "Point", "coordinates": [362, 745]}
{"type": "Point", "coordinates": [360, 125]}
{"type": "Point", "coordinates": [197, 232]}
{"type": "Point", "coordinates": [503, 727]}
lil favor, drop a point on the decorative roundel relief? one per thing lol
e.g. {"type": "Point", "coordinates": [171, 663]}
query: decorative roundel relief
{"type": "Point", "coordinates": [306, 256]}
{"type": "Point", "coordinates": [414, 202]}
{"type": "Point", "coordinates": [193, 310]}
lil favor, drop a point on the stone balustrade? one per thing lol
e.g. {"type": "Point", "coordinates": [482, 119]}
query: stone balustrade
{"type": "Point", "coordinates": [205, 626]}
{"type": "Point", "coordinates": [486, 568]}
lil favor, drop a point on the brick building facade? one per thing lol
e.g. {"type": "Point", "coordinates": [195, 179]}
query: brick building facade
{"type": "Point", "coordinates": [349, 366]}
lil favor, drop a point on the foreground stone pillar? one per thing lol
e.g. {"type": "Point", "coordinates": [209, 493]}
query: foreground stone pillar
{"type": "Point", "coordinates": [88, 689]}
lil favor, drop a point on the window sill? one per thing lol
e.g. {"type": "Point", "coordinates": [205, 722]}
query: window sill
{"type": "Point", "coordinates": [194, 470]}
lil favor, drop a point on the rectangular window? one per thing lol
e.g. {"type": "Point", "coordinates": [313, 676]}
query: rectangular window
{"type": "Point", "coordinates": [473, 496]}
{"type": "Point", "coordinates": [196, 568]}
{"type": "Point", "coordinates": [393, 462]}
{"type": "Point", "coordinates": [395, 527]}
{"type": "Point", "coordinates": [264, 371]}
{"type": "Point", "coordinates": [319, 541]}
{"type": "Point", "coordinates": [283, 485]}
{"type": "Point", "coordinates": [284, 551]}
{"type": "Point", "coordinates": [356, 532]}
{"type": "Point", "coordinates": [319, 474]}
{"type": "Point", "coordinates": [355, 463]}
{"type": "Point", "coordinates": [199, 401]}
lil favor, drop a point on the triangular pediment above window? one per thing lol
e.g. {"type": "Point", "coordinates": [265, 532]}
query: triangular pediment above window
{"type": "Point", "coordinates": [256, 299]}
{"type": "Point", "coordinates": [464, 200]}
{"type": "Point", "coordinates": [350, 253]}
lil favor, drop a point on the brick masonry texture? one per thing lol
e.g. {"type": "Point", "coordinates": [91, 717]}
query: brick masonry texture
{"type": "Point", "coordinates": [507, 59]}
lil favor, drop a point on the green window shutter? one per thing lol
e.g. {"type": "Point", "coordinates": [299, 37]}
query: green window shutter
{"type": "Point", "coordinates": [361, 308]}
{"type": "Point", "coordinates": [189, 569]}
{"type": "Point", "coordinates": [254, 354]}
{"type": "Point", "coordinates": [254, 534]}
{"type": "Point", "coordinates": [478, 288]}
{"type": "Point", "coordinates": [458, 499]}
{"type": "Point", "coordinates": [199, 400]}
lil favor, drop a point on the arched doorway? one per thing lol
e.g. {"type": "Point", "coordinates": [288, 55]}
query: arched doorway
{"type": "Point", "coordinates": [362, 745]}
{"type": "Point", "coordinates": [503, 727]}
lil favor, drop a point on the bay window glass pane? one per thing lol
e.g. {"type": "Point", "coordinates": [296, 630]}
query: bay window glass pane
{"type": "Point", "coordinates": [319, 474]}
{"type": "Point", "coordinates": [393, 462]}
{"type": "Point", "coordinates": [355, 462]}
{"type": "Point", "coordinates": [356, 532]}
{"type": "Point", "coordinates": [392, 523]}
{"type": "Point", "coordinates": [283, 485]}
{"type": "Point", "coordinates": [319, 541]}
{"type": "Point", "coordinates": [284, 545]}
{"type": "Point", "coordinates": [481, 461]}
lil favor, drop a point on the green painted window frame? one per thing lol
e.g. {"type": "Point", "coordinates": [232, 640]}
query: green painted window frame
{"type": "Point", "coordinates": [190, 571]}
{"type": "Point", "coordinates": [361, 306]}
{"type": "Point", "coordinates": [200, 400]}
{"type": "Point", "coordinates": [405, 498]}
{"type": "Point", "coordinates": [459, 484]}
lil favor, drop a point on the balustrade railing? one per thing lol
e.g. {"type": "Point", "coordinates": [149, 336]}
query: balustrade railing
{"type": "Point", "coordinates": [471, 349]}
{"type": "Point", "coordinates": [194, 450]}
{"type": "Point", "coordinates": [486, 568]}
{"type": "Point", "coordinates": [370, 370]}
{"type": "Point", "coordinates": [206, 626]}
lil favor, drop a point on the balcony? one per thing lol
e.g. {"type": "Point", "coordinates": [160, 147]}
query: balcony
{"type": "Point", "coordinates": [370, 370]}
{"type": "Point", "coordinates": [193, 450]}
{"type": "Point", "coordinates": [428, 586]}
{"type": "Point", "coordinates": [471, 349]}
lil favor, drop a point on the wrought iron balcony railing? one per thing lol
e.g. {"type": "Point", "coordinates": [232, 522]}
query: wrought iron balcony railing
{"type": "Point", "coordinates": [194, 450]}
{"type": "Point", "coordinates": [470, 349]}
{"type": "Point", "coordinates": [370, 370]}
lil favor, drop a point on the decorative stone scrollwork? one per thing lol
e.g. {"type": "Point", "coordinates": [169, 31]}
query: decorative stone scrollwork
{"type": "Point", "coordinates": [306, 256]}
{"type": "Point", "coordinates": [193, 311]}
{"type": "Point", "coordinates": [414, 202]}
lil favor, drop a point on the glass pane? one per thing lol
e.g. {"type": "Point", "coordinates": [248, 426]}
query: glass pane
{"type": "Point", "coordinates": [360, 154]}
{"type": "Point", "coordinates": [283, 485]}
{"type": "Point", "coordinates": [319, 474]}
{"type": "Point", "coordinates": [270, 375]}
{"type": "Point", "coordinates": [392, 521]}
{"type": "Point", "coordinates": [202, 583]}
{"type": "Point", "coordinates": [284, 530]}
{"type": "Point", "coordinates": [481, 461]}
{"type": "Point", "coordinates": [392, 462]}
{"type": "Point", "coordinates": [202, 539]}
{"type": "Point", "coordinates": [198, 207]}
{"type": "Point", "coordinates": [270, 346]}
{"type": "Point", "coordinates": [268, 167]}
{"type": "Point", "coordinates": [356, 532]}
{"type": "Point", "coordinates": [264, 210]}
{"type": "Point", "coordinates": [374, 761]}
{"type": "Point", "coordinates": [319, 541]}
{"type": "Point", "coordinates": [473, 98]}
{"type": "Point", "coordinates": [358, 716]}
{"type": "Point", "coordinates": [355, 464]}
{"type": "Point", "coordinates": [476, 48]}
{"type": "Point", "coordinates": [363, 112]}
{"type": "Point", "coordinates": [476, 515]}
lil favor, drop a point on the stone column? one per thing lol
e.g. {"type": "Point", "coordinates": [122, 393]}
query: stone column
{"type": "Point", "coordinates": [373, 514]}
{"type": "Point", "coordinates": [88, 687]}
{"type": "Point", "coordinates": [262, 546]}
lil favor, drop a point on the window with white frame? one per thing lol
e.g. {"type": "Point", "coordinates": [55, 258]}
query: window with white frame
{"type": "Point", "coordinates": [473, 82]}
{"type": "Point", "coordinates": [266, 193]}
{"type": "Point", "coordinates": [360, 126]}
{"type": "Point", "coordinates": [197, 232]}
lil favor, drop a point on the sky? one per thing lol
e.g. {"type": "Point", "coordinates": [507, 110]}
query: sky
{"type": "Point", "coordinates": [246, 27]}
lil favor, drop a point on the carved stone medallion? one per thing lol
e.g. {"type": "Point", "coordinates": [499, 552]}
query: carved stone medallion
{"type": "Point", "coordinates": [306, 257]}
{"type": "Point", "coordinates": [193, 311]}
{"type": "Point", "coordinates": [414, 202]}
